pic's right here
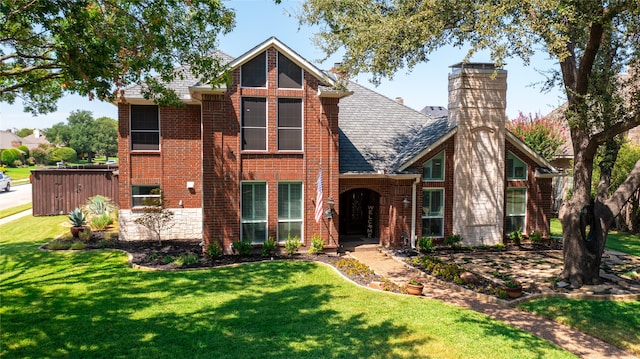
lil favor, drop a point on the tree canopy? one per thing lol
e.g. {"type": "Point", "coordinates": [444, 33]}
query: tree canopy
{"type": "Point", "coordinates": [95, 48]}
{"type": "Point", "coordinates": [595, 43]}
{"type": "Point", "coordinates": [86, 135]}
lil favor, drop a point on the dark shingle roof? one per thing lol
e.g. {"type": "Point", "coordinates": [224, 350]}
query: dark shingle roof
{"type": "Point", "coordinates": [379, 134]}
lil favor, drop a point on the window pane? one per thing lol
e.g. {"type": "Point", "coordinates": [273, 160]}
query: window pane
{"type": "Point", "coordinates": [289, 112]}
{"type": "Point", "coordinates": [432, 227]}
{"type": "Point", "coordinates": [515, 223]}
{"type": "Point", "coordinates": [432, 204]}
{"type": "Point", "coordinates": [290, 139]}
{"type": "Point", "coordinates": [254, 139]}
{"type": "Point", "coordinates": [255, 232]}
{"type": "Point", "coordinates": [289, 201]}
{"type": "Point", "coordinates": [434, 168]}
{"type": "Point", "coordinates": [254, 112]}
{"type": "Point", "coordinates": [289, 74]}
{"type": "Point", "coordinates": [254, 72]}
{"type": "Point", "coordinates": [289, 228]}
{"type": "Point", "coordinates": [254, 201]}
{"type": "Point", "coordinates": [144, 117]}
{"type": "Point", "coordinates": [516, 201]}
{"type": "Point", "coordinates": [516, 169]}
{"type": "Point", "coordinates": [141, 141]}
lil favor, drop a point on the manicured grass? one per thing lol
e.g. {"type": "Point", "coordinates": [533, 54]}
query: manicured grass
{"type": "Point", "coordinates": [615, 322]}
{"type": "Point", "coordinates": [19, 173]}
{"type": "Point", "coordinates": [90, 304]}
{"type": "Point", "coordinates": [618, 241]}
{"type": "Point", "coordinates": [13, 210]}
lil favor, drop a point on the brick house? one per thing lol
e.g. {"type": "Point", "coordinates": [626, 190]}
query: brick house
{"type": "Point", "coordinates": [244, 160]}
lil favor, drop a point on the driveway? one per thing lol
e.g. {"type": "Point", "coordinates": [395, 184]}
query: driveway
{"type": "Point", "coordinates": [18, 195]}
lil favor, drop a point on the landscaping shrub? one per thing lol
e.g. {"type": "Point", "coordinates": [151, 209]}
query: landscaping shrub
{"type": "Point", "coordinates": [425, 245]}
{"type": "Point", "coordinates": [10, 156]}
{"type": "Point", "coordinates": [101, 222]}
{"type": "Point", "coordinates": [62, 154]}
{"type": "Point", "coordinates": [535, 237]}
{"type": "Point", "coordinates": [243, 247]}
{"type": "Point", "coordinates": [185, 260]}
{"type": "Point", "coordinates": [291, 245]}
{"type": "Point", "coordinates": [268, 247]}
{"type": "Point", "coordinates": [453, 240]}
{"type": "Point", "coordinates": [317, 244]}
{"type": "Point", "coordinates": [77, 245]}
{"type": "Point", "coordinates": [99, 205]}
{"type": "Point", "coordinates": [85, 235]}
{"type": "Point", "coordinates": [213, 250]}
{"type": "Point", "coordinates": [24, 149]}
{"type": "Point", "coordinates": [59, 244]}
{"type": "Point", "coordinates": [516, 236]}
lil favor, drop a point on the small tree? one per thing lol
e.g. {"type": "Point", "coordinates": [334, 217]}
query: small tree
{"type": "Point", "coordinates": [545, 136]}
{"type": "Point", "coordinates": [156, 217]}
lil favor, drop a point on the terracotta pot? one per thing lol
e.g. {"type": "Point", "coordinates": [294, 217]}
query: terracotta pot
{"type": "Point", "coordinates": [414, 289]}
{"type": "Point", "coordinates": [513, 292]}
{"type": "Point", "coordinates": [75, 231]}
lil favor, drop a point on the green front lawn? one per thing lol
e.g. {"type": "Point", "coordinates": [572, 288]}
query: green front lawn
{"type": "Point", "coordinates": [92, 305]}
{"type": "Point", "coordinates": [615, 322]}
{"type": "Point", "coordinates": [13, 210]}
{"type": "Point", "coordinates": [618, 241]}
{"type": "Point", "coordinates": [19, 173]}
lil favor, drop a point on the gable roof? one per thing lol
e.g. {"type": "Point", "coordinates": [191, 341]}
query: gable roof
{"type": "Point", "coordinates": [377, 133]}
{"type": "Point", "coordinates": [8, 139]}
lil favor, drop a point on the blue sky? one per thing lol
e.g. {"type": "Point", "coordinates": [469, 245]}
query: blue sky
{"type": "Point", "coordinates": [257, 20]}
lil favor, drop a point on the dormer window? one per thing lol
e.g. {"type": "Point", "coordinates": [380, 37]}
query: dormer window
{"type": "Point", "coordinates": [289, 74]}
{"type": "Point", "coordinates": [254, 72]}
{"type": "Point", "coordinates": [433, 170]}
{"type": "Point", "coordinates": [516, 168]}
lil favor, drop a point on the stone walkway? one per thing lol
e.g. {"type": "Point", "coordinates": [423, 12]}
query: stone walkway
{"type": "Point", "coordinates": [581, 344]}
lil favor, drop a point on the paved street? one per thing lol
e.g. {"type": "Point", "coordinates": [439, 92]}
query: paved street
{"type": "Point", "coordinates": [18, 195]}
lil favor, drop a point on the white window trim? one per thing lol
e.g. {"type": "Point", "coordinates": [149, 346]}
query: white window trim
{"type": "Point", "coordinates": [526, 168]}
{"type": "Point", "coordinates": [301, 220]}
{"type": "Point", "coordinates": [278, 72]}
{"type": "Point", "coordinates": [266, 72]}
{"type": "Point", "coordinates": [301, 150]}
{"type": "Point", "coordinates": [444, 175]}
{"type": "Point", "coordinates": [423, 216]}
{"type": "Point", "coordinates": [265, 221]}
{"type": "Point", "coordinates": [526, 200]}
{"type": "Point", "coordinates": [266, 124]}
{"type": "Point", "coordinates": [159, 131]}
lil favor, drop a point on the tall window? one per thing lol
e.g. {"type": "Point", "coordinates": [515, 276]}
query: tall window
{"type": "Point", "coordinates": [254, 211]}
{"type": "Point", "coordinates": [254, 72]}
{"type": "Point", "coordinates": [144, 195]}
{"type": "Point", "coordinates": [516, 169]}
{"type": "Point", "coordinates": [289, 210]}
{"type": "Point", "coordinates": [254, 123]}
{"type": "Point", "coordinates": [433, 212]}
{"type": "Point", "coordinates": [289, 74]}
{"type": "Point", "coordinates": [290, 124]}
{"type": "Point", "coordinates": [145, 128]}
{"type": "Point", "coordinates": [516, 210]}
{"type": "Point", "coordinates": [433, 170]}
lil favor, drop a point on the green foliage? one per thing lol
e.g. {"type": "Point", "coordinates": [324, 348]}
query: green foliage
{"type": "Point", "coordinates": [167, 259]}
{"type": "Point", "coordinates": [39, 154]}
{"type": "Point", "coordinates": [268, 247]}
{"type": "Point", "coordinates": [77, 245]}
{"type": "Point", "coordinates": [627, 156]}
{"type": "Point", "coordinates": [516, 236]}
{"type": "Point", "coordinates": [453, 240]}
{"type": "Point", "coordinates": [186, 260]}
{"type": "Point", "coordinates": [10, 156]}
{"type": "Point", "coordinates": [85, 235]}
{"type": "Point", "coordinates": [535, 237]}
{"type": "Point", "coordinates": [59, 244]}
{"type": "Point", "coordinates": [101, 222]}
{"type": "Point", "coordinates": [99, 205]}
{"type": "Point", "coordinates": [512, 284]}
{"type": "Point", "coordinates": [544, 135]}
{"type": "Point", "coordinates": [291, 245]}
{"type": "Point", "coordinates": [213, 250]}
{"type": "Point", "coordinates": [354, 268]}
{"type": "Point", "coordinates": [60, 47]}
{"type": "Point", "coordinates": [24, 149]}
{"type": "Point", "coordinates": [62, 154]}
{"type": "Point", "coordinates": [24, 132]}
{"type": "Point", "coordinates": [425, 245]}
{"type": "Point", "coordinates": [243, 247]}
{"type": "Point", "coordinates": [317, 244]}
{"type": "Point", "coordinates": [77, 217]}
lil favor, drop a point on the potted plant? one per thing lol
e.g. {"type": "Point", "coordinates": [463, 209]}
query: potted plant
{"type": "Point", "coordinates": [415, 286]}
{"type": "Point", "coordinates": [513, 288]}
{"type": "Point", "coordinates": [78, 219]}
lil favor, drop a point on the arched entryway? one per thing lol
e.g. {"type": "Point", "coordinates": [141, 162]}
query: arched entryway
{"type": "Point", "coordinates": [359, 214]}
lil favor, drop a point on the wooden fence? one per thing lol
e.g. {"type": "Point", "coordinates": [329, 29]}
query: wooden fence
{"type": "Point", "coordinates": [60, 190]}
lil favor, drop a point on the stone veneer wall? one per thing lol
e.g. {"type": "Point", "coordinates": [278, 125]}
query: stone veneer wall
{"type": "Point", "coordinates": [187, 225]}
{"type": "Point", "coordinates": [477, 104]}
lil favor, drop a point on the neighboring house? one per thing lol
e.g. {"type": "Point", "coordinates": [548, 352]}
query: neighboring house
{"type": "Point", "coordinates": [35, 139]}
{"type": "Point", "coordinates": [244, 160]}
{"type": "Point", "coordinates": [8, 139]}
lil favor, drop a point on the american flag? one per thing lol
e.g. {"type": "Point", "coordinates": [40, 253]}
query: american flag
{"type": "Point", "coordinates": [319, 195]}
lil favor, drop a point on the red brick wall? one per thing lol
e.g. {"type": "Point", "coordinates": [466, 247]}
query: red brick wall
{"type": "Point", "coordinates": [177, 162]}
{"type": "Point", "coordinates": [539, 194]}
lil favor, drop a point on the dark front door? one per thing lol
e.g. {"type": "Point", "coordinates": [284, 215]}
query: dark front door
{"type": "Point", "coordinates": [359, 213]}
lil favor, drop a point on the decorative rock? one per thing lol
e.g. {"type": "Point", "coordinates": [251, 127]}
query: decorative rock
{"type": "Point", "coordinates": [562, 284]}
{"type": "Point", "coordinates": [376, 285]}
{"type": "Point", "coordinates": [469, 278]}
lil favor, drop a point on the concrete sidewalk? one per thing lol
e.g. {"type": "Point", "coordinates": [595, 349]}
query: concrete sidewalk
{"type": "Point", "coordinates": [581, 344]}
{"type": "Point", "coordinates": [12, 217]}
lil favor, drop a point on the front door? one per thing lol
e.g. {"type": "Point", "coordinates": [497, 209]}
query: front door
{"type": "Point", "coordinates": [359, 212]}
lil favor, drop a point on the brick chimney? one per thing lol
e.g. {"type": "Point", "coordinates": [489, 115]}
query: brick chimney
{"type": "Point", "coordinates": [400, 100]}
{"type": "Point", "coordinates": [477, 104]}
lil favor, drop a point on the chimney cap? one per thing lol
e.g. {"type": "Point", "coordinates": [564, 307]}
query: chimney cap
{"type": "Point", "coordinates": [475, 65]}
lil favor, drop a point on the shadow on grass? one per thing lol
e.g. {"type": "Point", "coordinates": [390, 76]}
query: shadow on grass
{"type": "Point", "coordinates": [89, 304]}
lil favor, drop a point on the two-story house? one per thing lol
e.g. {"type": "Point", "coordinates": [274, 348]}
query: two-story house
{"type": "Point", "coordinates": [286, 149]}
